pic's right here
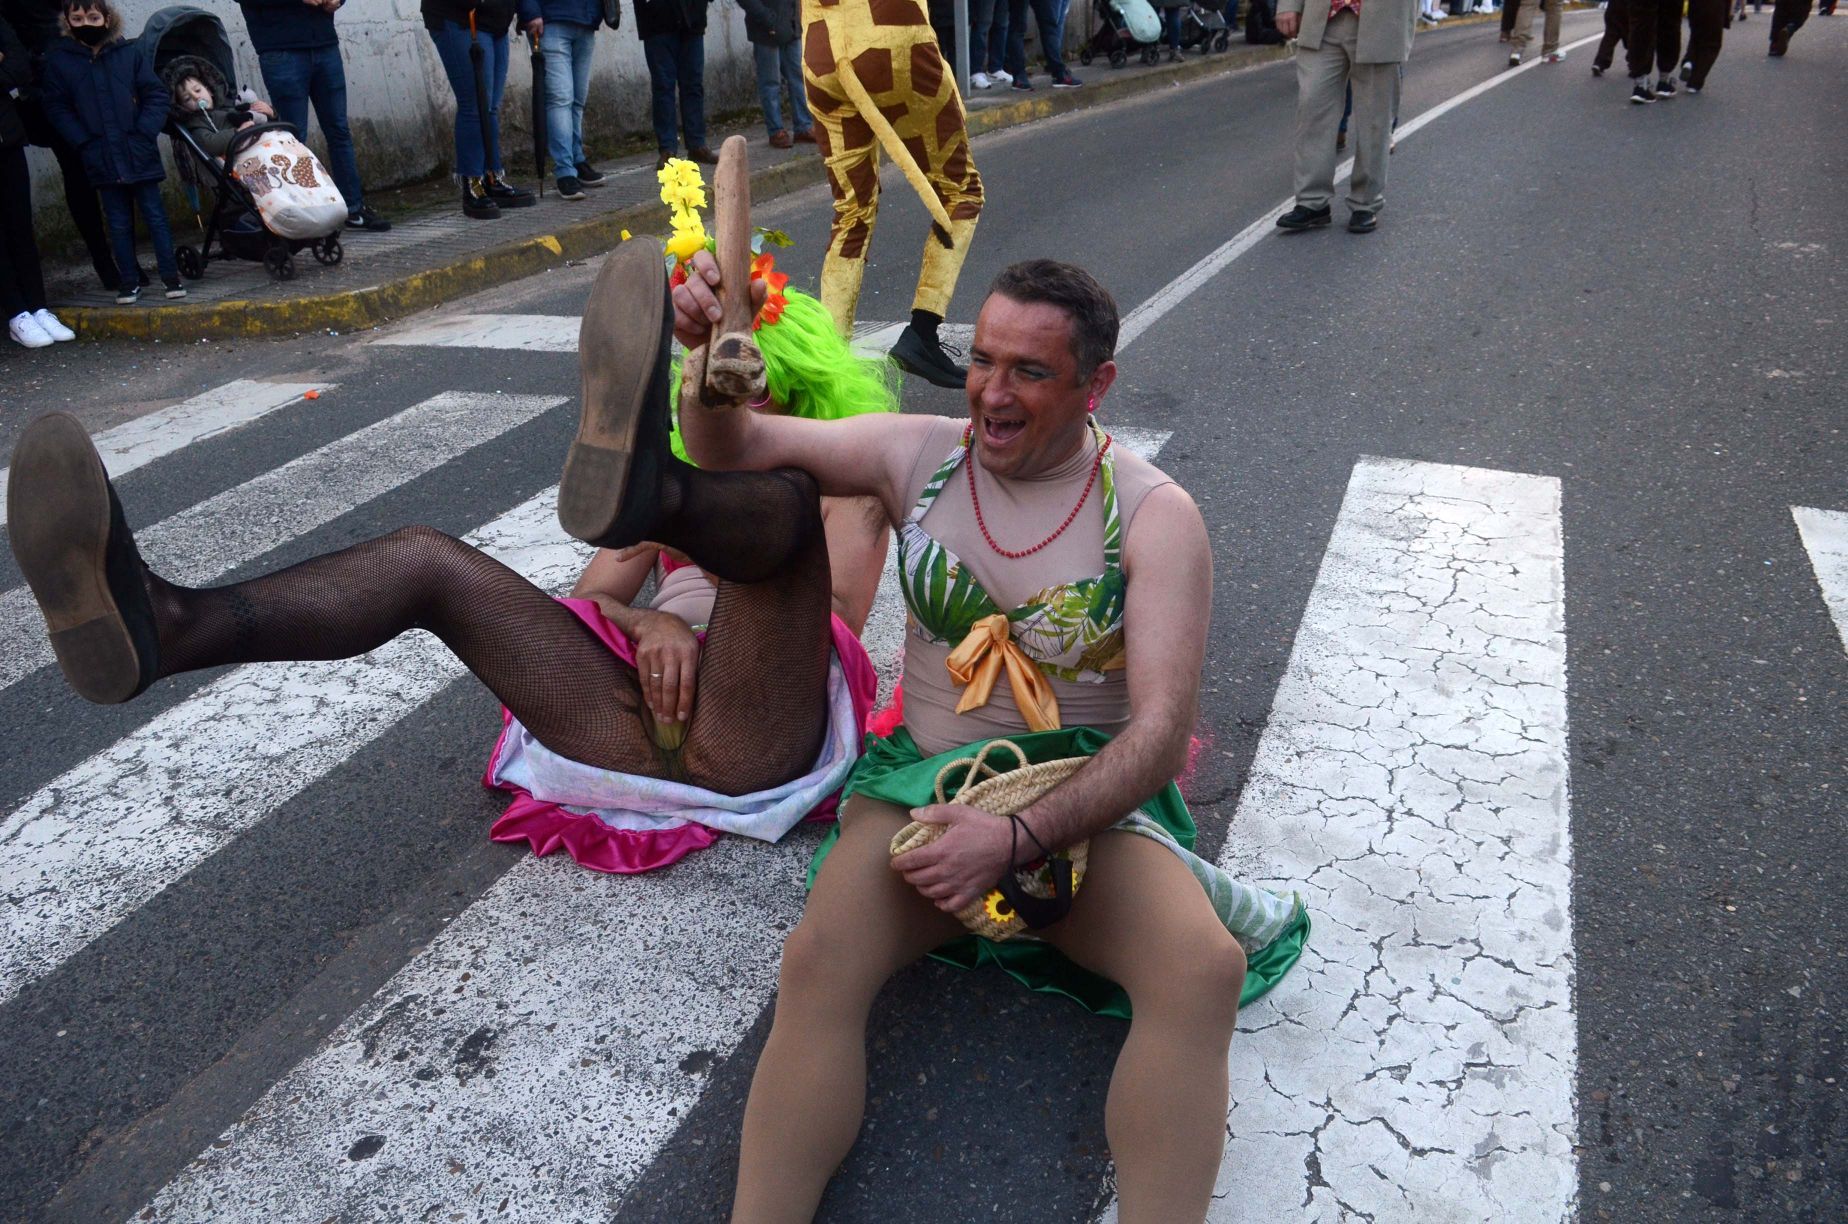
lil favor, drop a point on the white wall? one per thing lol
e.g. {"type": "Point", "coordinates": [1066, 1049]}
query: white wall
{"type": "Point", "coordinates": [402, 112]}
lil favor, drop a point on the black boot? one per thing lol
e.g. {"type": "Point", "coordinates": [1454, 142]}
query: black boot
{"type": "Point", "coordinates": [507, 195]}
{"type": "Point", "coordinates": [609, 492]}
{"type": "Point", "coordinates": [77, 554]}
{"type": "Point", "coordinates": [919, 351]}
{"type": "Point", "coordinates": [475, 201]}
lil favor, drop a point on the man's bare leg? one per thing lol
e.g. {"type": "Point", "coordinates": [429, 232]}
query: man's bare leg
{"type": "Point", "coordinates": [862, 924]}
{"type": "Point", "coordinates": [1144, 922]}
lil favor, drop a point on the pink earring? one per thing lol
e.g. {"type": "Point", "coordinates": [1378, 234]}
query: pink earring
{"type": "Point", "coordinates": [1092, 406]}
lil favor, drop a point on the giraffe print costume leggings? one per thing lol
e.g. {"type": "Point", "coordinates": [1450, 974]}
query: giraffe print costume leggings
{"type": "Point", "coordinates": [875, 75]}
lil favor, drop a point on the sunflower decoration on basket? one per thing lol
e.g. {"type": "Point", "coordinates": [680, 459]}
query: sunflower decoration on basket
{"type": "Point", "coordinates": [810, 369]}
{"type": "Point", "coordinates": [1029, 897]}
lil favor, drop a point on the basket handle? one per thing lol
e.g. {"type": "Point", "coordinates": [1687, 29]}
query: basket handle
{"type": "Point", "coordinates": [977, 766]}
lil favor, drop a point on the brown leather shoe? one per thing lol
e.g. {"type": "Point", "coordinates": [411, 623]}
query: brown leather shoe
{"type": "Point", "coordinates": [806, 136]}
{"type": "Point", "coordinates": [704, 156]}
{"type": "Point", "coordinates": [781, 140]}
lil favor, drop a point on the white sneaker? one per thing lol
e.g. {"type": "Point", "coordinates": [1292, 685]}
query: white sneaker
{"type": "Point", "coordinates": [1001, 78]}
{"type": "Point", "coordinates": [981, 80]}
{"type": "Point", "coordinates": [25, 330]}
{"type": "Point", "coordinates": [52, 325]}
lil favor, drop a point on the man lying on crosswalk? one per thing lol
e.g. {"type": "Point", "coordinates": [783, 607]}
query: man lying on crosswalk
{"type": "Point", "coordinates": [631, 739]}
{"type": "Point", "coordinates": [1059, 592]}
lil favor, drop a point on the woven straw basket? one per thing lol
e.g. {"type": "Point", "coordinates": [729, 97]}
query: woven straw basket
{"type": "Point", "coordinates": [1002, 793]}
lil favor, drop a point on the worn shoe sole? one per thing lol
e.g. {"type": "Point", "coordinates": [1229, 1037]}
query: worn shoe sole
{"type": "Point", "coordinates": [622, 357]}
{"type": "Point", "coordinates": [60, 510]}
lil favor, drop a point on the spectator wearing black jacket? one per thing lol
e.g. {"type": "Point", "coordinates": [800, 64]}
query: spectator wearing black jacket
{"type": "Point", "coordinates": [38, 25]}
{"type": "Point", "coordinates": [102, 96]}
{"type": "Point", "coordinates": [454, 26]}
{"type": "Point", "coordinates": [22, 284]}
{"type": "Point", "coordinates": [299, 53]}
{"type": "Point", "coordinates": [673, 34]}
{"type": "Point", "coordinates": [775, 30]}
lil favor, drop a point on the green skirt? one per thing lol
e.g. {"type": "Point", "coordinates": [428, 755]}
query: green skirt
{"type": "Point", "coordinates": [1271, 928]}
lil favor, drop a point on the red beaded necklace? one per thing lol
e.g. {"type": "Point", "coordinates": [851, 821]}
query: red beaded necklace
{"type": "Point", "coordinates": [976, 500]}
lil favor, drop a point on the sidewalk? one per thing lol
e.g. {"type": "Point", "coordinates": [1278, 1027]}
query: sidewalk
{"type": "Point", "coordinates": [436, 254]}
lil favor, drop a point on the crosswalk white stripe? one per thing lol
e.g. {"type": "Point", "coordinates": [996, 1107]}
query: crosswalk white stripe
{"type": "Point", "coordinates": [139, 442]}
{"type": "Point", "coordinates": [530, 1062]}
{"type": "Point", "coordinates": [529, 333]}
{"type": "Point", "coordinates": [214, 536]}
{"type": "Point", "coordinates": [559, 333]}
{"type": "Point", "coordinates": [1825, 538]}
{"type": "Point", "coordinates": [591, 993]}
{"type": "Point", "coordinates": [1411, 783]}
{"type": "Point", "coordinates": [84, 851]}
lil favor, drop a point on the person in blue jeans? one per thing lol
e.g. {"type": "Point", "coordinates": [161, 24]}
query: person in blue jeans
{"type": "Point", "coordinates": [299, 53]}
{"type": "Point", "coordinates": [988, 43]}
{"type": "Point", "coordinates": [455, 26]}
{"type": "Point", "coordinates": [673, 34]}
{"type": "Point", "coordinates": [102, 97]}
{"type": "Point", "coordinates": [1049, 14]}
{"type": "Point", "coordinates": [775, 30]}
{"type": "Point", "coordinates": [567, 31]}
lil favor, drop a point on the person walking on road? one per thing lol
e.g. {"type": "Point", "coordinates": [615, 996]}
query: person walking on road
{"type": "Point", "coordinates": [1787, 17]}
{"type": "Point", "coordinates": [673, 34]}
{"type": "Point", "coordinates": [567, 31]}
{"type": "Point", "coordinates": [775, 30]}
{"type": "Point", "coordinates": [299, 53]}
{"type": "Point", "coordinates": [1707, 22]}
{"type": "Point", "coordinates": [1652, 38]}
{"type": "Point", "coordinates": [1523, 32]}
{"type": "Point", "coordinates": [1345, 43]}
{"type": "Point", "coordinates": [1616, 25]}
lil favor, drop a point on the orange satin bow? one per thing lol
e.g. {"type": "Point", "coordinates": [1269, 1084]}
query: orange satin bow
{"type": "Point", "coordinates": [977, 664]}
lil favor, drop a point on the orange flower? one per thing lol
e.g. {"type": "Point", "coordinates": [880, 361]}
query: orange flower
{"type": "Point", "coordinates": [763, 268]}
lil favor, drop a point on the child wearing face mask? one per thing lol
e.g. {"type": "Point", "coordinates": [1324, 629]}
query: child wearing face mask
{"type": "Point", "coordinates": [103, 98]}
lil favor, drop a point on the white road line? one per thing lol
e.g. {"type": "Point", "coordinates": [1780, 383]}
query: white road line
{"type": "Point", "coordinates": [1412, 784]}
{"type": "Point", "coordinates": [141, 441]}
{"type": "Point", "coordinates": [1825, 537]}
{"type": "Point", "coordinates": [200, 543]}
{"type": "Point", "coordinates": [530, 1062]}
{"type": "Point", "coordinates": [1183, 286]}
{"type": "Point", "coordinates": [86, 850]}
{"type": "Point", "coordinates": [532, 333]}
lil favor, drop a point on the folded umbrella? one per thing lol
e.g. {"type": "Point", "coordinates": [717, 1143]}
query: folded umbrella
{"type": "Point", "coordinates": [539, 115]}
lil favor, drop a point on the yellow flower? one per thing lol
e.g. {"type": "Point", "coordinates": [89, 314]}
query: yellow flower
{"type": "Point", "coordinates": [625, 235]}
{"type": "Point", "coordinates": [997, 908]}
{"type": "Point", "coordinates": [686, 243]}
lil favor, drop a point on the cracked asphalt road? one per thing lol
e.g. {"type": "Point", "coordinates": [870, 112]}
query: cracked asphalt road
{"type": "Point", "coordinates": [1645, 305]}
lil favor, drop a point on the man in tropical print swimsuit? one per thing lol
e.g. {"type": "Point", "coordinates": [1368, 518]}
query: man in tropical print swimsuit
{"type": "Point", "coordinates": [1058, 591]}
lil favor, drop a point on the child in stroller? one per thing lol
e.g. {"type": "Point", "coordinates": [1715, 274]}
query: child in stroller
{"type": "Point", "coordinates": [209, 131]}
{"type": "Point", "coordinates": [211, 125]}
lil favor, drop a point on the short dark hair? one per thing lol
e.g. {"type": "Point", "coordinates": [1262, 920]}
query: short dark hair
{"type": "Point", "coordinates": [1092, 310]}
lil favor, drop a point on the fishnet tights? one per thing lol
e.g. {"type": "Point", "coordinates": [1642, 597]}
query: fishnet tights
{"type": "Point", "coordinates": [760, 704]}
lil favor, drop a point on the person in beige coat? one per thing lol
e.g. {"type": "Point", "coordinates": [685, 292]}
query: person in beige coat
{"type": "Point", "coordinates": [1341, 43]}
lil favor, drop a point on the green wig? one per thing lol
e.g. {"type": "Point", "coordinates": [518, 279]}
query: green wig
{"type": "Point", "coordinates": [810, 370]}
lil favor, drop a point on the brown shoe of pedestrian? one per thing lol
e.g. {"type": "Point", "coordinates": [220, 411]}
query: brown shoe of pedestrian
{"type": "Point", "coordinates": [782, 140]}
{"type": "Point", "coordinates": [704, 156]}
{"type": "Point", "coordinates": [806, 136]}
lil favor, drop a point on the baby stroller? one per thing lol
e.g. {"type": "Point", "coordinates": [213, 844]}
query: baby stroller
{"type": "Point", "coordinates": [1128, 26]}
{"type": "Point", "coordinates": [1204, 27]}
{"type": "Point", "coordinates": [187, 42]}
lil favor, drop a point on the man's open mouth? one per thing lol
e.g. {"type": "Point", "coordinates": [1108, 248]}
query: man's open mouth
{"type": "Point", "coordinates": [1001, 431]}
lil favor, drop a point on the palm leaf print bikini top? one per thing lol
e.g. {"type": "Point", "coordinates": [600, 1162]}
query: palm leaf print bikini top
{"type": "Point", "coordinates": [1073, 631]}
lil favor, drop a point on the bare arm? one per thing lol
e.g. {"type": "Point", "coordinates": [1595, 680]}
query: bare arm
{"type": "Point", "coordinates": [1168, 562]}
{"type": "Point", "coordinates": [612, 580]}
{"type": "Point", "coordinates": [858, 536]}
{"type": "Point", "coordinates": [863, 456]}
{"type": "Point", "coordinates": [666, 649]}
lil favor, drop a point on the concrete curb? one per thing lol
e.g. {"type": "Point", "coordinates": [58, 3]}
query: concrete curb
{"type": "Point", "coordinates": [357, 309]}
